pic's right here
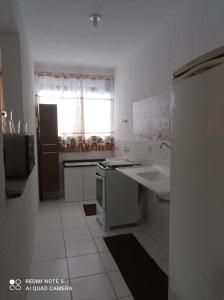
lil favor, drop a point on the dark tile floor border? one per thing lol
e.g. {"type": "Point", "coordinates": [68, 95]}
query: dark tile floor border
{"type": "Point", "coordinates": [143, 276]}
{"type": "Point", "coordinates": [89, 209]}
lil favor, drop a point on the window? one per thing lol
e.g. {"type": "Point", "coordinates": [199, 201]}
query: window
{"type": "Point", "coordinates": [84, 105]}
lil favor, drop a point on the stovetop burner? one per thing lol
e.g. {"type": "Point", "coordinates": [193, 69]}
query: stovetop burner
{"type": "Point", "coordinates": [103, 164]}
{"type": "Point", "coordinates": [115, 164]}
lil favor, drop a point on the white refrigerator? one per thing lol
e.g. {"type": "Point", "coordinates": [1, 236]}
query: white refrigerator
{"type": "Point", "coordinates": [196, 265]}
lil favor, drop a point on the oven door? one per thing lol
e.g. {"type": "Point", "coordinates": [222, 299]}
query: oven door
{"type": "Point", "coordinates": [100, 190]}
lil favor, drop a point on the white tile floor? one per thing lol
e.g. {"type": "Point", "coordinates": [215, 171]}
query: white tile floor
{"type": "Point", "coordinates": [70, 246]}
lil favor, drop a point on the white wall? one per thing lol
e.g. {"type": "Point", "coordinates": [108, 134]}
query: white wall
{"type": "Point", "coordinates": [190, 30]}
{"type": "Point", "coordinates": [10, 47]}
{"type": "Point", "coordinates": [17, 216]}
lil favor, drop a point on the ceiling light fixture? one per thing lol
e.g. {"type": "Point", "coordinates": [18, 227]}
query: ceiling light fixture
{"type": "Point", "coordinates": [95, 19]}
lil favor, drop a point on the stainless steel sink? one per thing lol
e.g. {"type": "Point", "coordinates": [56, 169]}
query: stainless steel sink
{"type": "Point", "coordinates": [153, 175]}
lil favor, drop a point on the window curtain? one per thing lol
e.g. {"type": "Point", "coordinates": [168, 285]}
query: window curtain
{"type": "Point", "coordinates": [85, 109]}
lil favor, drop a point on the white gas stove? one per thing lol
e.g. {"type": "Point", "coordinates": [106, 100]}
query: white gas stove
{"type": "Point", "coordinates": [117, 195]}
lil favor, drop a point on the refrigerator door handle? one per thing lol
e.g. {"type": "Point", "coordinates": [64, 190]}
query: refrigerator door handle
{"type": "Point", "coordinates": [199, 69]}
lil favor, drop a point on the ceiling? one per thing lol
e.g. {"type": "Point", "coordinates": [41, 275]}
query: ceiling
{"type": "Point", "coordinates": [60, 31]}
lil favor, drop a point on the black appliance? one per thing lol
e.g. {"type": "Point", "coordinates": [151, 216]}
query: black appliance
{"type": "Point", "coordinates": [19, 156]}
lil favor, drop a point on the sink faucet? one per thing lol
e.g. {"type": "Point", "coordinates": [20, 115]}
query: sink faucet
{"type": "Point", "coordinates": [165, 144]}
{"type": "Point", "coordinates": [126, 149]}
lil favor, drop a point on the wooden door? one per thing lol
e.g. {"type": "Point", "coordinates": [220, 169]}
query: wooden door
{"type": "Point", "coordinates": [48, 150]}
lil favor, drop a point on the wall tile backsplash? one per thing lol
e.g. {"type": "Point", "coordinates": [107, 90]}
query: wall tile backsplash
{"type": "Point", "coordinates": [151, 126]}
{"type": "Point", "coordinates": [142, 151]}
{"type": "Point", "coordinates": [152, 118]}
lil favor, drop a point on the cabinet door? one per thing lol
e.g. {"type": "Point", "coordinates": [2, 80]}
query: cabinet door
{"type": "Point", "coordinates": [73, 180]}
{"type": "Point", "coordinates": [89, 177]}
{"type": "Point", "coordinates": [48, 149]}
{"type": "Point", "coordinates": [49, 173]}
{"type": "Point", "coordinates": [48, 124]}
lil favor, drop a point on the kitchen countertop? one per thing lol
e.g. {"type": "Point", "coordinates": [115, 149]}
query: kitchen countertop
{"type": "Point", "coordinates": [160, 187]}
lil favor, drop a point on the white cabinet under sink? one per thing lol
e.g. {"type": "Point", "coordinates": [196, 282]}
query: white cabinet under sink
{"type": "Point", "coordinates": [80, 182]}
